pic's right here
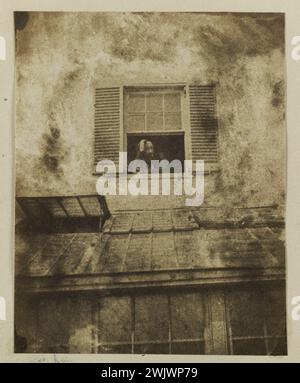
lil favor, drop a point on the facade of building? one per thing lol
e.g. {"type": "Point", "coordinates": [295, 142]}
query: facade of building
{"type": "Point", "coordinates": [147, 274]}
{"type": "Point", "coordinates": [198, 281]}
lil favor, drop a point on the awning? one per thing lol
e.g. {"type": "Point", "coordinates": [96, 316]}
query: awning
{"type": "Point", "coordinates": [158, 247]}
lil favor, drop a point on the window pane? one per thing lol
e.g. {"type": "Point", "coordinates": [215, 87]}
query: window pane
{"type": "Point", "coordinates": [135, 123]}
{"type": "Point", "coordinates": [249, 347]}
{"type": "Point", "coordinates": [136, 103]}
{"type": "Point", "coordinates": [172, 102]}
{"type": "Point", "coordinates": [54, 323]}
{"type": "Point", "coordinates": [173, 121]}
{"type": "Point", "coordinates": [154, 121]}
{"type": "Point", "coordinates": [277, 346]}
{"type": "Point", "coordinates": [188, 348]}
{"type": "Point", "coordinates": [151, 318]}
{"type": "Point", "coordinates": [159, 348]}
{"type": "Point", "coordinates": [187, 316]}
{"type": "Point", "coordinates": [115, 349]}
{"type": "Point", "coordinates": [114, 320]}
{"type": "Point", "coordinates": [246, 313]}
{"type": "Point", "coordinates": [154, 102]}
{"type": "Point", "coordinates": [276, 312]}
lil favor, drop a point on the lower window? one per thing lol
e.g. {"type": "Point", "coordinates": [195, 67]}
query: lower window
{"type": "Point", "coordinates": [183, 323]}
{"type": "Point", "coordinates": [241, 320]}
{"type": "Point", "coordinates": [152, 324]}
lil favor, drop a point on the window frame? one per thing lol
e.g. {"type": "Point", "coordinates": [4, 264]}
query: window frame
{"type": "Point", "coordinates": [210, 167]}
{"type": "Point", "coordinates": [163, 88]}
{"type": "Point", "coordinates": [217, 337]}
{"type": "Point", "coordinates": [170, 341]}
{"type": "Point", "coordinates": [146, 93]}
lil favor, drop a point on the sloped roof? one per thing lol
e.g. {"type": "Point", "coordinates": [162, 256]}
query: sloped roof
{"type": "Point", "coordinates": [160, 245]}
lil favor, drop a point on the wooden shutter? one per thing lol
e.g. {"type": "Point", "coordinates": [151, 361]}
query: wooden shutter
{"type": "Point", "coordinates": [107, 124]}
{"type": "Point", "coordinates": [204, 124]}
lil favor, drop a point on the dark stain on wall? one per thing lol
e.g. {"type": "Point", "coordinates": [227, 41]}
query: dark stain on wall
{"type": "Point", "coordinates": [278, 94]}
{"type": "Point", "coordinates": [247, 36]}
{"type": "Point", "coordinates": [53, 149]}
{"type": "Point", "coordinates": [71, 77]}
{"type": "Point", "coordinates": [136, 37]}
{"type": "Point", "coordinates": [21, 19]}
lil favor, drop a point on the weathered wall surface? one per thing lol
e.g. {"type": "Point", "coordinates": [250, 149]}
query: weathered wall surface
{"type": "Point", "coordinates": [61, 56]}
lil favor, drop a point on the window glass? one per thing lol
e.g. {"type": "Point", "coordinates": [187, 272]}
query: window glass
{"type": "Point", "coordinates": [249, 347]}
{"type": "Point", "coordinates": [55, 332]}
{"type": "Point", "coordinates": [172, 121]}
{"type": "Point", "coordinates": [151, 318]}
{"type": "Point", "coordinates": [154, 348]}
{"type": "Point", "coordinates": [114, 320]}
{"type": "Point", "coordinates": [155, 121]}
{"type": "Point", "coordinates": [176, 323]}
{"type": "Point", "coordinates": [187, 313]}
{"type": "Point", "coordinates": [256, 321]}
{"type": "Point", "coordinates": [135, 123]}
{"type": "Point", "coordinates": [246, 313]}
{"type": "Point", "coordinates": [190, 348]}
{"type": "Point", "coordinates": [136, 103]}
{"type": "Point", "coordinates": [154, 102]}
{"type": "Point", "coordinates": [278, 346]}
{"type": "Point", "coordinates": [114, 348]}
{"type": "Point", "coordinates": [275, 312]}
{"type": "Point", "coordinates": [172, 102]}
{"type": "Point", "coordinates": [152, 111]}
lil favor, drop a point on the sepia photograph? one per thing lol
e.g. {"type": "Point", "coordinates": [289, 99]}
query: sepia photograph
{"type": "Point", "coordinates": [150, 183]}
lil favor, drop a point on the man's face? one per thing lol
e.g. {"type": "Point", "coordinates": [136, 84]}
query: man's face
{"type": "Point", "coordinates": [149, 149]}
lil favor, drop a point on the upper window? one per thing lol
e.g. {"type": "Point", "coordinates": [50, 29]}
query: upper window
{"type": "Point", "coordinates": [153, 111]}
{"type": "Point", "coordinates": [177, 121]}
{"type": "Point", "coordinates": [154, 115]}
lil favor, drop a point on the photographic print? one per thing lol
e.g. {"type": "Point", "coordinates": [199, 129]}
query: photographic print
{"type": "Point", "coordinates": [150, 181]}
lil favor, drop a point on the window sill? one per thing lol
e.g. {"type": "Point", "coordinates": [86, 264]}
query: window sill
{"type": "Point", "coordinates": [209, 169]}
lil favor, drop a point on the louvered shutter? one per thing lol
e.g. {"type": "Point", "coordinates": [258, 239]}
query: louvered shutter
{"type": "Point", "coordinates": [107, 124]}
{"type": "Point", "coordinates": [204, 124]}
